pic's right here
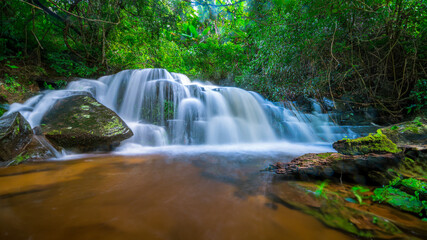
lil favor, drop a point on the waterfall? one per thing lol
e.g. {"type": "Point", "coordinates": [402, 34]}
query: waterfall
{"type": "Point", "coordinates": [165, 108]}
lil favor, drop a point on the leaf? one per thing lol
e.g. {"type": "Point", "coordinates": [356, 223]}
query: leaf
{"type": "Point", "coordinates": [193, 31]}
{"type": "Point", "coordinates": [12, 66]}
{"type": "Point", "coordinates": [206, 31]}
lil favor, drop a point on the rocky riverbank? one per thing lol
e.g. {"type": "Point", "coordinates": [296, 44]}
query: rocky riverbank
{"type": "Point", "coordinates": [370, 186]}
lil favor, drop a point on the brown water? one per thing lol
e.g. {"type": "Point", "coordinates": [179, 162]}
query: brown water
{"type": "Point", "coordinates": [148, 197]}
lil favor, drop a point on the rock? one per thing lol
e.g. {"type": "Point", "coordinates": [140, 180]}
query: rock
{"type": "Point", "coordinates": [81, 123]}
{"type": "Point", "coordinates": [38, 149]}
{"type": "Point", "coordinates": [15, 134]}
{"type": "Point", "coordinates": [415, 151]}
{"type": "Point", "coordinates": [400, 200]}
{"type": "Point", "coordinates": [373, 143]}
{"type": "Point", "coordinates": [414, 186]}
{"type": "Point", "coordinates": [332, 209]}
{"type": "Point", "coordinates": [38, 131]}
{"type": "Point", "coordinates": [407, 133]}
{"type": "Point", "coordinates": [336, 166]}
{"type": "Point", "coordinates": [304, 104]}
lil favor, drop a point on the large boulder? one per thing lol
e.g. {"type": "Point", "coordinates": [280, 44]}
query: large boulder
{"type": "Point", "coordinates": [81, 123]}
{"type": "Point", "coordinates": [373, 143]}
{"type": "Point", "coordinates": [15, 134]}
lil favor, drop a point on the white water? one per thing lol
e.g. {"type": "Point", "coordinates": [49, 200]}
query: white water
{"type": "Point", "coordinates": [165, 108]}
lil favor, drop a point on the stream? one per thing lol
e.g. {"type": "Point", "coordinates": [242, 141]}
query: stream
{"type": "Point", "coordinates": [192, 169]}
{"type": "Point", "coordinates": [171, 193]}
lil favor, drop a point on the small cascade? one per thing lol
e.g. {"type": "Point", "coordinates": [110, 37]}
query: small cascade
{"type": "Point", "coordinates": [47, 145]}
{"type": "Point", "coordinates": [165, 108]}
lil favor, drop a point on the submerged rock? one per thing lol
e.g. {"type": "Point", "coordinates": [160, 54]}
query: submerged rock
{"type": "Point", "coordinates": [331, 208]}
{"type": "Point", "coordinates": [81, 123]}
{"type": "Point", "coordinates": [15, 134]}
{"type": "Point", "coordinates": [352, 168]}
{"type": "Point", "coordinates": [373, 143]}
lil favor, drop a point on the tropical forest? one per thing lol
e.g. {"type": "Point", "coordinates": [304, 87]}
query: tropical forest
{"type": "Point", "coordinates": [213, 119]}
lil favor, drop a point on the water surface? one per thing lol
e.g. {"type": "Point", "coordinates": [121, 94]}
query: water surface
{"type": "Point", "coordinates": [171, 194]}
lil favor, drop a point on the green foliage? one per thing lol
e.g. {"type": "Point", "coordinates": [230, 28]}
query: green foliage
{"type": "Point", "coordinates": [11, 84]}
{"type": "Point", "coordinates": [48, 86]}
{"type": "Point", "coordinates": [358, 193]}
{"type": "Point", "coordinates": [370, 50]}
{"type": "Point", "coordinates": [61, 84]}
{"type": "Point", "coordinates": [419, 96]}
{"type": "Point", "coordinates": [320, 191]}
{"type": "Point", "coordinates": [65, 66]}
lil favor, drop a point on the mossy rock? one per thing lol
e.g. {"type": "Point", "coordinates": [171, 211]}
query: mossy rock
{"type": "Point", "coordinates": [411, 132]}
{"type": "Point", "coordinates": [39, 149]}
{"type": "Point", "coordinates": [81, 123]}
{"type": "Point", "coordinates": [400, 200]}
{"type": "Point", "coordinates": [412, 168]}
{"type": "Point", "coordinates": [413, 187]}
{"type": "Point", "coordinates": [15, 134]}
{"type": "Point", "coordinates": [373, 143]}
{"type": "Point", "coordinates": [332, 210]}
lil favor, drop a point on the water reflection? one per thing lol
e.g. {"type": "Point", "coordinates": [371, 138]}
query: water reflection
{"type": "Point", "coordinates": [149, 197]}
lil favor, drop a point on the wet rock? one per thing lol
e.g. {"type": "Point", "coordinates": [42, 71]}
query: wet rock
{"type": "Point", "coordinates": [39, 149]}
{"type": "Point", "coordinates": [38, 131]}
{"type": "Point", "coordinates": [373, 143]}
{"type": "Point", "coordinates": [304, 104]}
{"type": "Point", "coordinates": [15, 134]}
{"type": "Point", "coordinates": [351, 168]}
{"type": "Point", "coordinates": [400, 200]}
{"type": "Point", "coordinates": [407, 133]}
{"type": "Point", "coordinates": [83, 124]}
{"type": "Point", "coordinates": [330, 208]}
{"type": "Point", "coordinates": [415, 151]}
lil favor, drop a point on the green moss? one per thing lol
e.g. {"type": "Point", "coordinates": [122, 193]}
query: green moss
{"type": "Point", "coordinates": [20, 159]}
{"type": "Point", "coordinates": [407, 132]}
{"type": "Point", "coordinates": [373, 143]}
{"type": "Point", "coordinates": [413, 168]}
{"type": "Point", "coordinates": [113, 126]}
{"type": "Point", "coordinates": [399, 199]}
{"type": "Point", "coordinates": [96, 104]}
{"type": "Point", "coordinates": [415, 185]}
{"type": "Point", "coordinates": [84, 108]}
{"type": "Point", "coordinates": [324, 155]}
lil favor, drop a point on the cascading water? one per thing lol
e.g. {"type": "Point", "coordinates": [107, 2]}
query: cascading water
{"type": "Point", "coordinates": [165, 108]}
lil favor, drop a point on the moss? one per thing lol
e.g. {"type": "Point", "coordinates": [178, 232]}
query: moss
{"type": "Point", "coordinates": [332, 211]}
{"type": "Point", "coordinates": [373, 143]}
{"type": "Point", "coordinates": [20, 159]}
{"type": "Point", "coordinates": [399, 199]}
{"type": "Point", "coordinates": [113, 126]}
{"type": "Point", "coordinates": [413, 168]}
{"type": "Point", "coordinates": [407, 132]}
{"type": "Point", "coordinates": [414, 185]}
{"type": "Point", "coordinates": [95, 104]}
{"type": "Point", "coordinates": [324, 155]}
{"type": "Point", "coordinates": [84, 108]}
